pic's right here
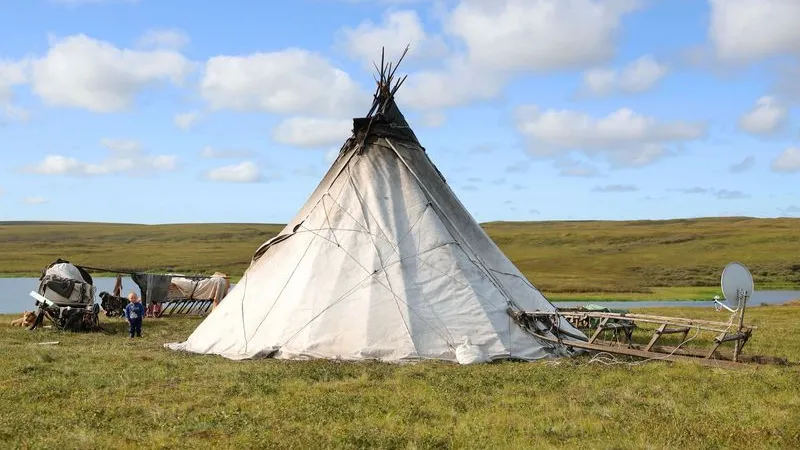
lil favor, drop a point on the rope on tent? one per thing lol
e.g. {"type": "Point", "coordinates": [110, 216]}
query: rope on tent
{"type": "Point", "coordinates": [394, 295]}
{"type": "Point", "coordinates": [367, 213]}
{"type": "Point", "coordinates": [328, 221]}
{"type": "Point", "coordinates": [333, 303]}
{"type": "Point", "coordinates": [424, 261]}
{"type": "Point", "coordinates": [444, 218]}
{"type": "Point", "coordinates": [299, 261]}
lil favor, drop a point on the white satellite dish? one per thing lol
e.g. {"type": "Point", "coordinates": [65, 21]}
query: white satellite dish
{"type": "Point", "coordinates": [737, 286]}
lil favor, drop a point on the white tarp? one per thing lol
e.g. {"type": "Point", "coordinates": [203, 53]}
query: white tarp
{"type": "Point", "coordinates": [383, 262]}
{"type": "Point", "coordinates": [82, 294]}
{"type": "Point", "coordinates": [213, 288]}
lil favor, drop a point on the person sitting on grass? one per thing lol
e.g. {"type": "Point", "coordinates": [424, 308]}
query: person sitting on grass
{"type": "Point", "coordinates": [134, 312]}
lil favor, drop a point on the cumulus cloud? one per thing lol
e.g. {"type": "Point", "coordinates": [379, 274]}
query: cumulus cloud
{"type": "Point", "coordinates": [615, 188]}
{"type": "Point", "coordinates": [292, 81]}
{"type": "Point", "coordinates": [397, 30]}
{"type": "Point", "coordinates": [455, 85]}
{"type": "Point", "coordinates": [186, 120]}
{"type": "Point", "coordinates": [725, 194]}
{"type": "Point", "coordinates": [787, 84]}
{"type": "Point", "coordinates": [538, 35]}
{"type": "Point", "coordinates": [12, 73]}
{"type": "Point", "coordinates": [312, 132]}
{"type": "Point", "coordinates": [570, 168]}
{"type": "Point", "coordinates": [638, 76]}
{"type": "Point", "coordinates": [520, 167]}
{"type": "Point", "coordinates": [246, 172]}
{"type": "Point", "coordinates": [214, 153]}
{"type": "Point", "coordinates": [767, 116]}
{"type": "Point", "coordinates": [722, 194]}
{"type": "Point", "coordinates": [695, 190]}
{"type": "Point", "coordinates": [163, 39]}
{"type": "Point", "coordinates": [624, 136]}
{"type": "Point", "coordinates": [743, 166]}
{"type": "Point", "coordinates": [746, 30]}
{"type": "Point", "coordinates": [433, 119]}
{"type": "Point", "coordinates": [125, 157]}
{"type": "Point", "coordinates": [788, 161]}
{"type": "Point", "coordinates": [504, 38]}
{"type": "Point", "coordinates": [82, 72]}
{"type": "Point", "coordinates": [332, 154]}
{"type": "Point", "coordinates": [34, 200]}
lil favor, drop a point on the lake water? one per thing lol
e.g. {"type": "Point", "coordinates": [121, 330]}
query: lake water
{"type": "Point", "coordinates": [14, 296]}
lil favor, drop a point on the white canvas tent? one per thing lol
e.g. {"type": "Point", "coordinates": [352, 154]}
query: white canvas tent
{"type": "Point", "coordinates": [382, 262]}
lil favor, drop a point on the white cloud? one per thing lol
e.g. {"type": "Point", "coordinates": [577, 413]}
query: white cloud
{"type": "Point", "coordinates": [126, 157]}
{"type": "Point", "coordinates": [540, 34]}
{"type": "Point", "coordinates": [211, 152]}
{"type": "Point", "coordinates": [246, 172]}
{"type": "Point", "coordinates": [398, 29]}
{"type": "Point", "coordinates": [16, 113]}
{"type": "Point", "coordinates": [503, 38]}
{"type": "Point", "coordinates": [638, 76]}
{"type": "Point", "coordinates": [788, 82]}
{"type": "Point", "coordinates": [722, 194]}
{"type": "Point", "coordinates": [743, 166]}
{"type": "Point", "coordinates": [695, 190]}
{"type": "Point", "coordinates": [626, 137]}
{"type": "Point", "coordinates": [12, 73]}
{"type": "Point", "coordinates": [743, 30]}
{"type": "Point", "coordinates": [455, 85]}
{"type": "Point", "coordinates": [571, 168]}
{"type": "Point", "coordinates": [788, 161]}
{"type": "Point", "coordinates": [616, 188]}
{"type": "Point", "coordinates": [291, 81]}
{"type": "Point", "coordinates": [767, 116]}
{"type": "Point", "coordinates": [34, 200]}
{"type": "Point", "coordinates": [82, 72]}
{"type": "Point", "coordinates": [312, 132]}
{"type": "Point", "coordinates": [433, 119]}
{"type": "Point", "coordinates": [163, 39]}
{"type": "Point", "coordinates": [332, 154]}
{"type": "Point", "coordinates": [122, 146]}
{"type": "Point", "coordinates": [725, 194]}
{"type": "Point", "coordinates": [186, 120]}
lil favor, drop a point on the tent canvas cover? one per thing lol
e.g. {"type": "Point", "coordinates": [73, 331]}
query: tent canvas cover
{"type": "Point", "coordinates": [383, 262]}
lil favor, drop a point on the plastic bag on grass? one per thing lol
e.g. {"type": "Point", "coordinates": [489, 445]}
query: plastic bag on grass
{"type": "Point", "coordinates": [468, 353]}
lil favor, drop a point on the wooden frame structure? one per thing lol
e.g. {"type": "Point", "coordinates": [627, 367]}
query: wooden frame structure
{"type": "Point", "coordinates": [185, 306]}
{"type": "Point", "coordinates": [598, 325]}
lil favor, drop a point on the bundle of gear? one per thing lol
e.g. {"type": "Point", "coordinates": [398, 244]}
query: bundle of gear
{"type": "Point", "coordinates": [67, 298]}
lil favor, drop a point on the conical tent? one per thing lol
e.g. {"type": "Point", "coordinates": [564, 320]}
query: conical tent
{"type": "Point", "coordinates": [382, 262]}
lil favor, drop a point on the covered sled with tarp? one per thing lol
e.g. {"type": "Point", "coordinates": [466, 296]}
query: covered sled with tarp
{"type": "Point", "coordinates": [65, 295]}
{"type": "Point", "coordinates": [181, 294]}
{"type": "Point", "coordinates": [65, 284]}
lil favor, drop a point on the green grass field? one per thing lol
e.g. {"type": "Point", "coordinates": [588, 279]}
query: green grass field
{"type": "Point", "coordinates": [104, 391]}
{"type": "Point", "coordinates": [593, 260]}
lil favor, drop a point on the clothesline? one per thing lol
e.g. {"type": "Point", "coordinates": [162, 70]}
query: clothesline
{"type": "Point", "coordinates": [130, 272]}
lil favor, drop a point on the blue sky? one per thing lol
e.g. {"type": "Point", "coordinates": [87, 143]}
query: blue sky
{"type": "Point", "coordinates": [174, 111]}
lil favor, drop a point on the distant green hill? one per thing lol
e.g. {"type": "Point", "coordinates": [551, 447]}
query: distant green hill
{"type": "Point", "coordinates": [645, 259]}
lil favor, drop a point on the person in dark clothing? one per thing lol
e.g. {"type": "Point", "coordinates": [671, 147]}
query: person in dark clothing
{"type": "Point", "coordinates": [134, 312]}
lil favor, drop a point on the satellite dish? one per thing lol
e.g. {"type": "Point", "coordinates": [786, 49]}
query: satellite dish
{"type": "Point", "coordinates": [737, 286]}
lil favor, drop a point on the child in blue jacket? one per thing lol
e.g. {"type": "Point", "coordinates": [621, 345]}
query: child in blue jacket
{"type": "Point", "coordinates": [134, 312]}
